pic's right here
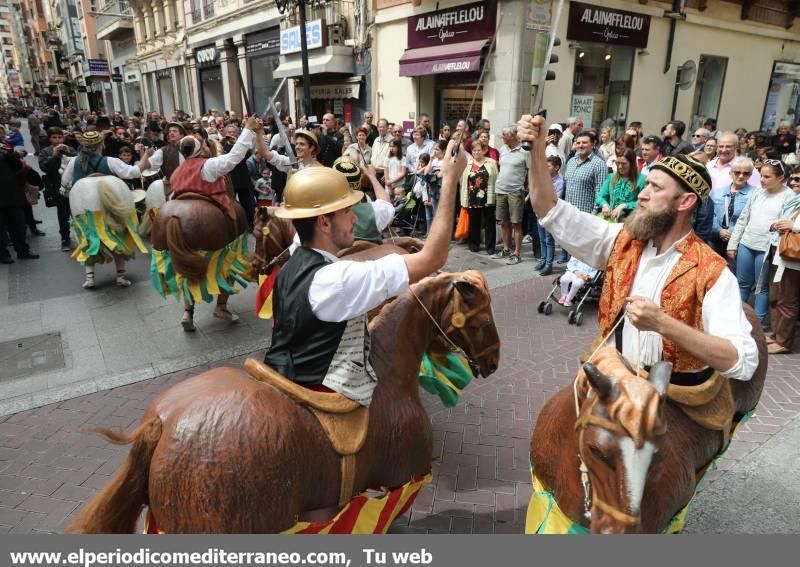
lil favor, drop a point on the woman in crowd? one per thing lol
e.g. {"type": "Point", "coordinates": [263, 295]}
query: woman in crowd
{"type": "Point", "coordinates": [784, 287]}
{"type": "Point", "coordinates": [445, 131]}
{"type": "Point", "coordinates": [607, 147]}
{"type": "Point", "coordinates": [490, 151]}
{"type": "Point", "coordinates": [360, 153]}
{"type": "Point", "coordinates": [729, 202]}
{"type": "Point", "coordinates": [477, 196]}
{"type": "Point", "coordinates": [620, 191]}
{"type": "Point", "coordinates": [750, 240]}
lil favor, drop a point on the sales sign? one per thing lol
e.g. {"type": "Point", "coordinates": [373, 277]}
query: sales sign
{"type": "Point", "coordinates": [290, 37]}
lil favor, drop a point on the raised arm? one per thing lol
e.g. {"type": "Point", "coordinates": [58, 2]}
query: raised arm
{"type": "Point", "coordinates": [533, 129]}
{"type": "Point", "coordinates": [434, 254]}
{"type": "Point", "coordinates": [215, 168]}
{"type": "Point", "coordinates": [380, 192]}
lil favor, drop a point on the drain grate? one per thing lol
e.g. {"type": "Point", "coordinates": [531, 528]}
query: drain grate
{"type": "Point", "coordinates": [24, 357]}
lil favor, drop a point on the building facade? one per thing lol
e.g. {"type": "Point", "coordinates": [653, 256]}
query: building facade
{"type": "Point", "coordinates": [232, 52]}
{"type": "Point", "coordinates": [115, 29]}
{"type": "Point", "coordinates": [736, 61]}
{"type": "Point", "coordinates": [159, 31]}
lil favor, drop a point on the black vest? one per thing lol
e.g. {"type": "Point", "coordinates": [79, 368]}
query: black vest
{"type": "Point", "coordinates": [302, 346]}
{"type": "Point", "coordinates": [171, 160]}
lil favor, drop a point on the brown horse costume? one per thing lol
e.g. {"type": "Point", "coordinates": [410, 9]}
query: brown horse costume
{"type": "Point", "coordinates": [627, 426]}
{"type": "Point", "coordinates": [223, 453]}
{"type": "Point", "coordinates": [192, 222]}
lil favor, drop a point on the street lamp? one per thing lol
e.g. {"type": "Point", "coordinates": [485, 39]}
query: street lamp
{"type": "Point", "coordinates": [283, 7]}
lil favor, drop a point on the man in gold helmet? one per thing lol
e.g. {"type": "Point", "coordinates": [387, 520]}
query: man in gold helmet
{"type": "Point", "coordinates": [321, 302]}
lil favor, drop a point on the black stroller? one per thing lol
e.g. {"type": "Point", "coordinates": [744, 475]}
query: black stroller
{"type": "Point", "coordinates": [591, 292]}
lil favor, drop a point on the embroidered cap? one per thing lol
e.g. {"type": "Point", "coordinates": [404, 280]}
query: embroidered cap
{"type": "Point", "coordinates": [689, 172]}
{"type": "Point", "coordinates": [91, 138]}
{"type": "Point", "coordinates": [350, 171]}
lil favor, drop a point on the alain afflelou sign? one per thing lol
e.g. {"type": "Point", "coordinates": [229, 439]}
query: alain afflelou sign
{"type": "Point", "coordinates": [458, 24]}
{"type": "Point", "coordinates": [598, 24]}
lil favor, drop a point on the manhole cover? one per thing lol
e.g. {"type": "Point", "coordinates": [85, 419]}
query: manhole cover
{"type": "Point", "coordinates": [25, 357]}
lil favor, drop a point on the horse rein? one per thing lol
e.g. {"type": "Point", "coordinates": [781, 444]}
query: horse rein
{"type": "Point", "coordinates": [266, 235]}
{"type": "Point", "coordinates": [458, 321]}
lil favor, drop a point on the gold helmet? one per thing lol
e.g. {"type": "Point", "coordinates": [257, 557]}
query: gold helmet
{"type": "Point", "coordinates": [316, 191]}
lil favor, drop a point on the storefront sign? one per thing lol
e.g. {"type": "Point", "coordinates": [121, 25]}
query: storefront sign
{"type": "Point", "coordinates": [163, 74]}
{"type": "Point", "coordinates": [408, 128]}
{"type": "Point", "coordinates": [272, 44]}
{"type": "Point", "coordinates": [206, 56]}
{"type": "Point", "coordinates": [453, 25]}
{"type": "Point", "coordinates": [606, 25]}
{"type": "Point", "coordinates": [117, 77]}
{"type": "Point", "coordinates": [582, 107]}
{"type": "Point", "coordinates": [97, 67]}
{"type": "Point", "coordinates": [315, 37]}
{"type": "Point", "coordinates": [339, 90]}
{"type": "Point", "coordinates": [539, 15]}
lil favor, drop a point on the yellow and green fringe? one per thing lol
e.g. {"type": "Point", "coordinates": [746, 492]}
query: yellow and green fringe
{"type": "Point", "coordinates": [98, 243]}
{"type": "Point", "coordinates": [226, 267]}
{"type": "Point", "coordinates": [444, 375]}
{"type": "Point", "coordinates": [544, 516]}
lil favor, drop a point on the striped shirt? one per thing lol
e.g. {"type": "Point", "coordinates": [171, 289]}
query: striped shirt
{"type": "Point", "coordinates": [582, 181]}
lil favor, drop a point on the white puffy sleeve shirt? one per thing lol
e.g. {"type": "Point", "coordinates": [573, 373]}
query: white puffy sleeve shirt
{"type": "Point", "coordinates": [345, 289]}
{"type": "Point", "coordinates": [591, 240]}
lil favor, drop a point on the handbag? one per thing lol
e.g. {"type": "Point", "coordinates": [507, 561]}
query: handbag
{"type": "Point", "coordinates": [462, 228]}
{"type": "Point", "coordinates": [789, 244]}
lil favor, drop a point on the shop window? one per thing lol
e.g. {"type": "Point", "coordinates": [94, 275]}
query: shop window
{"type": "Point", "coordinates": [783, 96]}
{"type": "Point", "coordinates": [602, 84]}
{"type": "Point", "coordinates": [708, 91]}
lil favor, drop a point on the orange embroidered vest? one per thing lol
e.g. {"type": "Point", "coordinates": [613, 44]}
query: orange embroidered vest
{"type": "Point", "coordinates": [693, 275]}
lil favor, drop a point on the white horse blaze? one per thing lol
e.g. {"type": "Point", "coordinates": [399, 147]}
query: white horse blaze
{"type": "Point", "coordinates": [636, 463]}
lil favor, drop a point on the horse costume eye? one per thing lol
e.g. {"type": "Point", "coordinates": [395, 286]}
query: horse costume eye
{"type": "Point", "coordinates": [598, 453]}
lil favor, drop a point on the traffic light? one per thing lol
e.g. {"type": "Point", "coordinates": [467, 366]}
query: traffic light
{"type": "Point", "coordinates": [549, 74]}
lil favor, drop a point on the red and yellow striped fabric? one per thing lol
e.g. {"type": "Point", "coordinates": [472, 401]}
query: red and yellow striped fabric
{"type": "Point", "coordinates": [365, 514]}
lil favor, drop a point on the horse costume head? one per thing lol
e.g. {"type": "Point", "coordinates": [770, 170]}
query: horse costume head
{"type": "Point", "coordinates": [619, 419]}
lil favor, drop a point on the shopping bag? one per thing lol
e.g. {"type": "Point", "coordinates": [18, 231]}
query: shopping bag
{"type": "Point", "coordinates": [462, 228]}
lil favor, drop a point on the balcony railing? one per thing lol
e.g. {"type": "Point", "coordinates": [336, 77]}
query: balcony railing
{"type": "Point", "coordinates": [114, 20]}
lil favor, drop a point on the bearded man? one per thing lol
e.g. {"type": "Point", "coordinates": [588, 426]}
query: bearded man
{"type": "Point", "coordinates": [677, 298]}
{"type": "Point", "coordinates": [168, 158]}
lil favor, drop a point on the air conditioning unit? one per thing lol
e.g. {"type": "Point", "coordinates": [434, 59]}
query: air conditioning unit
{"type": "Point", "coordinates": [336, 35]}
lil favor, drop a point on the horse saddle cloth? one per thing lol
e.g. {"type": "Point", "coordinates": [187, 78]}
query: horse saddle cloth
{"type": "Point", "coordinates": [344, 421]}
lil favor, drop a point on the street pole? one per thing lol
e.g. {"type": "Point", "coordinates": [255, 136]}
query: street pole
{"type": "Point", "coordinates": [301, 6]}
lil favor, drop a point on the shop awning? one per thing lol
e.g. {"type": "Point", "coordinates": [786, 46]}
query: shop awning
{"type": "Point", "coordinates": [331, 59]}
{"type": "Point", "coordinates": [453, 58]}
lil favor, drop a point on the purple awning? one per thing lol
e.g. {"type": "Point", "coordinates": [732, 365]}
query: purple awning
{"type": "Point", "coordinates": [453, 58]}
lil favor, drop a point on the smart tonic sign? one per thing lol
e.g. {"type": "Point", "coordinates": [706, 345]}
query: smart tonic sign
{"type": "Point", "coordinates": [606, 25]}
{"type": "Point", "coordinates": [458, 24]}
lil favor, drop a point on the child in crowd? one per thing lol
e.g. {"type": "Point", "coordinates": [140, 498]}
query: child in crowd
{"type": "Point", "coordinates": [264, 193]}
{"type": "Point", "coordinates": [127, 155]}
{"type": "Point", "coordinates": [573, 279]}
{"type": "Point", "coordinates": [400, 200]}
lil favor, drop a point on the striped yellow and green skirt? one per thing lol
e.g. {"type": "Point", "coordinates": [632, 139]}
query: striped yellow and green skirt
{"type": "Point", "coordinates": [98, 243]}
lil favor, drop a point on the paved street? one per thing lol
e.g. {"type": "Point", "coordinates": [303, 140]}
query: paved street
{"type": "Point", "coordinates": [121, 347]}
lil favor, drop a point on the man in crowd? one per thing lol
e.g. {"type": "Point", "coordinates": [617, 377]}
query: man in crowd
{"type": "Point", "coordinates": [35, 128]}
{"type": "Point", "coordinates": [583, 177]}
{"type": "Point", "coordinates": [574, 126]}
{"type": "Point", "coordinates": [420, 146]}
{"type": "Point", "coordinates": [674, 143]}
{"type": "Point", "coordinates": [380, 147]}
{"type": "Point", "coordinates": [651, 153]}
{"type": "Point", "coordinates": [240, 176]}
{"type": "Point", "coordinates": [369, 118]}
{"type": "Point", "coordinates": [699, 139]}
{"type": "Point", "coordinates": [720, 167]}
{"type": "Point", "coordinates": [330, 141]}
{"type": "Point", "coordinates": [425, 122]}
{"type": "Point", "coordinates": [12, 207]}
{"type": "Point", "coordinates": [509, 195]}
{"type": "Point", "coordinates": [50, 158]}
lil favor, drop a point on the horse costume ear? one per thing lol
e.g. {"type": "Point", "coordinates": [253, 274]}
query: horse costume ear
{"type": "Point", "coordinates": [660, 374]}
{"type": "Point", "coordinates": [599, 381]}
{"type": "Point", "coordinates": [466, 288]}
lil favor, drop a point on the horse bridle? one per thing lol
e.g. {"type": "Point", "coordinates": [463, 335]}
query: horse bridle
{"type": "Point", "coordinates": [458, 321]}
{"type": "Point", "coordinates": [581, 423]}
{"type": "Point", "coordinates": [266, 235]}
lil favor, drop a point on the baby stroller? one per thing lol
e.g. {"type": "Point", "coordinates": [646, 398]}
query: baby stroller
{"type": "Point", "coordinates": [590, 291]}
{"type": "Point", "coordinates": [408, 218]}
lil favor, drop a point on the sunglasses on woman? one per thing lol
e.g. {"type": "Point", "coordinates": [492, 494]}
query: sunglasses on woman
{"type": "Point", "coordinates": [777, 164]}
{"type": "Point", "coordinates": [795, 179]}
